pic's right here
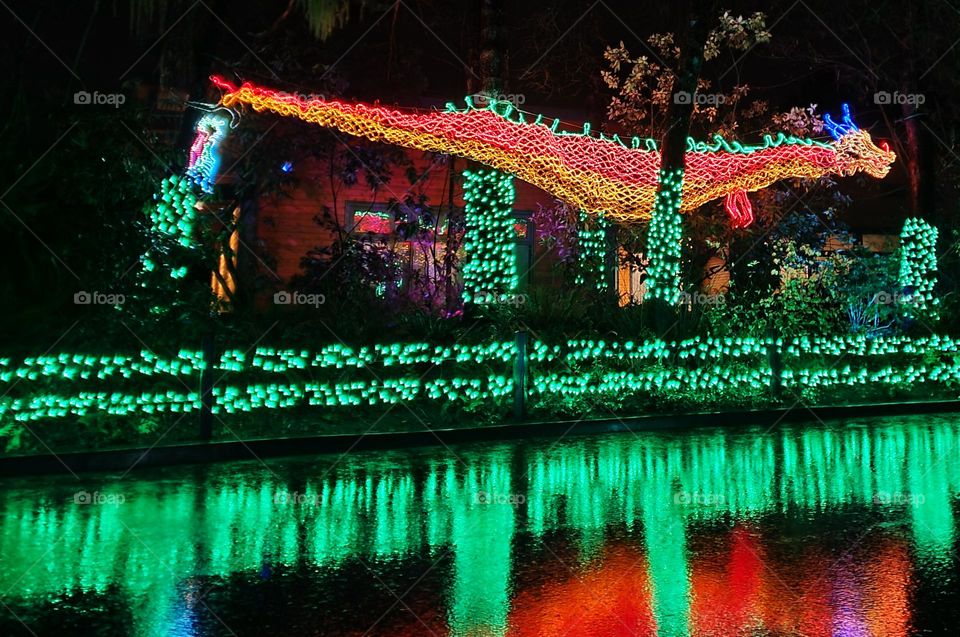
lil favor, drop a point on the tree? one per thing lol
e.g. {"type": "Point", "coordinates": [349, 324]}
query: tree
{"type": "Point", "coordinates": [901, 59]}
{"type": "Point", "coordinates": [659, 97]}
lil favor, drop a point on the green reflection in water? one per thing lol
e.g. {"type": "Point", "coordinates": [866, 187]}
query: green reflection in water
{"type": "Point", "coordinates": [165, 535]}
{"type": "Point", "coordinates": [482, 529]}
{"type": "Point", "coordinates": [932, 479]}
{"type": "Point", "coordinates": [663, 520]}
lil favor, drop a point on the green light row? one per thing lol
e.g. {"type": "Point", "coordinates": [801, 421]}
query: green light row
{"type": "Point", "coordinates": [945, 373]}
{"type": "Point", "coordinates": [698, 348]}
{"type": "Point", "coordinates": [343, 356]}
{"type": "Point", "coordinates": [358, 393]}
{"type": "Point", "coordinates": [862, 345]}
{"type": "Point", "coordinates": [233, 399]}
{"type": "Point", "coordinates": [716, 378]}
{"type": "Point", "coordinates": [51, 406]}
{"type": "Point", "coordinates": [74, 367]}
{"type": "Point", "coordinates": [86, 367]}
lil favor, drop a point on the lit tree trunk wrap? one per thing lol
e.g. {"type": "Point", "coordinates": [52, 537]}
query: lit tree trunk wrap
{"type": "Point", "coordinates": [664, 239]}
{"type": "Point", "coordinates": [491, 266]}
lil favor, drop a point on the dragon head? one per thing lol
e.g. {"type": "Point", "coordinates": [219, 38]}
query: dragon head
{"type": "Point", "coordinates": [856, 150]}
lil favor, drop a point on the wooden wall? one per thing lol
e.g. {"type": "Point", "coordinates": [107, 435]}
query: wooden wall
{"type": "Point", "coordinates": [286, 229]}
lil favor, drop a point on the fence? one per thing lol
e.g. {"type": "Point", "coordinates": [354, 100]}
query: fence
{"type": "Point", "coordinates": [69, 385]}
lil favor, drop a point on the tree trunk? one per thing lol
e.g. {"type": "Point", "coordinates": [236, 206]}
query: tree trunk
{"type": "Point", "coordinates": [692, 36]}
{"type": "Point", "coordinates": [492, 46]}
{"type": "Point", "coordinates": [919, 160]}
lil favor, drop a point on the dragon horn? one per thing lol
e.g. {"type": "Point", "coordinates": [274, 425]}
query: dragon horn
{"type": "Point", "coordinates": [847, 119]}
{"type": "Point", "coordinates": [845, 126]}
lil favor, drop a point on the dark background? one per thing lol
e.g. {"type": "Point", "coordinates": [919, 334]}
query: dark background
{"type": "Point", "coordinates": [76, 177]}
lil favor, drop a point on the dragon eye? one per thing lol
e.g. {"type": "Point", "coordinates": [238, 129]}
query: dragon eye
{"type": "Point", "coordinates": [884, 145]}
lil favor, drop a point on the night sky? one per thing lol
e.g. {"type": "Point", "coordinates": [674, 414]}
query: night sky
{"type": "Point", "coordinates": [419, 53]}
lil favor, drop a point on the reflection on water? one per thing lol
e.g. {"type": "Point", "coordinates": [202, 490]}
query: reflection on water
{"type": "Point", "coordinates": [809, 531]}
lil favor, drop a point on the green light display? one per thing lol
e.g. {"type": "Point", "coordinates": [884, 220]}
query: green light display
{"type": "Point", "coordinates": [153, 546]}
{"type": "Point", "coordinates": [622, 368]}
{"type": "Point", "coordinates": [491, 266]}
{"type": "Point", "coordinates": [918, 267]}
{"type": "Point", "coordinates": [591, 250]}
{"type": "Point", "coordinates": [173, 224]}
{"type": "Point", "coordinates": [176, 212]}
{"type": "Point", "coordinates": [664, 239]}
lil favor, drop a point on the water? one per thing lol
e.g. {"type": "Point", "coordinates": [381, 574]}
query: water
{"type": "Point", "coordinates": [844, 530]}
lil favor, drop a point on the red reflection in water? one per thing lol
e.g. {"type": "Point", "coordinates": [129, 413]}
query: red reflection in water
{"type": "Point", "coordinates": [726, 593]}
{"type": "Point", "coordinates": [739, 588]}
{"type": "Point", "coordinates": [610, 597]}
{"type": "Point", "coordinates": [816, 594]}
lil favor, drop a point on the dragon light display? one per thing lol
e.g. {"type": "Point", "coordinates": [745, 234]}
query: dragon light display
{"type": "Point", "coordinates": [597, 174]}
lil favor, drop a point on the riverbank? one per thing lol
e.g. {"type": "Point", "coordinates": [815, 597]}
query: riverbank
{"type": "Point", "coordinates": [177, 454]}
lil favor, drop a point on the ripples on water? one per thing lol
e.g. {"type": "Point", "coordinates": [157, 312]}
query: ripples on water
{"type": "Point", "coordinates": [834, 531]}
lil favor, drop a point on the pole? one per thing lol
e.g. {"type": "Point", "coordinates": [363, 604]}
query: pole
{"type": "Point", "coordinates": [520, 376]}
{"type": "Point", "coordinates": [776, 364]}
{"type": "Point", "coordinates": [206, 389]}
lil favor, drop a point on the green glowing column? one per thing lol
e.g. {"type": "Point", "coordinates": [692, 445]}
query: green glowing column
{"type": "Point", "coordinates": [491, 266]}
{"type": "Point", "coordinates": [483, 523]}
{"type": "Point", "coordinates": [918, 266]}
{"type": "Point", "coordinates": [663, 239]}
{"type": "Point", "coordinates": [928, 470]}
{"type": "Point", "coordinates": [665, 535]}
{"type": "Point", "coordinates": [592, 248]}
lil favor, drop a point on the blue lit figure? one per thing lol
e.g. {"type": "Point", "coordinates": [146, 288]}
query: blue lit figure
{"type": "Point", "coordinates": [845, 126]}
{"type": "Point", "coordinates": [287, 167]}
{"type": "Point", "coordinates": [204, 160]}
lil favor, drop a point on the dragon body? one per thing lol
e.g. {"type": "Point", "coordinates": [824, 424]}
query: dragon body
{"type": "Point", "coordinates": [598, 174]}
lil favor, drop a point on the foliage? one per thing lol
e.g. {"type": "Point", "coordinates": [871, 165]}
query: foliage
{"type": "Point", "coordinates": [818, 292]}
{"type": "Point", "coordinates": [644, 86]}
{"type": "Point", "coordinates": [869, 285]}
{"type": "Point", "coordinates": [557, 229]}
{"type": "Point", "coordinates": [807, 300]}
{"type": "Point", "coordinates": [798, 208]}
{"type": "Point", "coordinates": [575, 240]}
{"type": "Point", "coordinates": [72, 220]}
